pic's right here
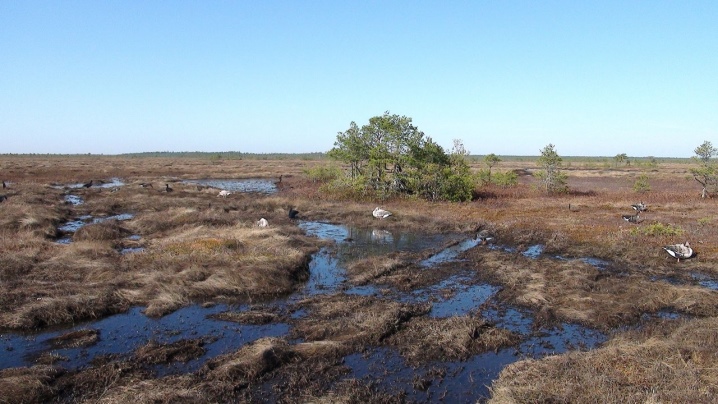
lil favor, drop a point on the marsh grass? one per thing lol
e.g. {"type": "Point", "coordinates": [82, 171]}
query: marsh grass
{"type": "Point", "coordinates": [75, 339]}
{"type": "Point", "coordinates": [454, 338]}
{"type": "Point", "coordinates": [255, 317]}
{"type": "Point", "coordinates": [354, 320]}
{"type": "Point", "coordinates": [200, 248]}
{"type": "Point", "coordinates": [573, 291]}
{"type": "Point", "coordinates": [669, 362]}
{"type": "Point", "coordinates": [180, 351]}
{"type": "Point", "coordinates": [28, 385]}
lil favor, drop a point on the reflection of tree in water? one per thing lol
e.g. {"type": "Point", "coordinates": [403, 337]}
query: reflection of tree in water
{"type": "Point", "coordinates": [364, 243]}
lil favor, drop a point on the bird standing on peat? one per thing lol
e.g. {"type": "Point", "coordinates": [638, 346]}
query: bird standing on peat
{"type": "Point", "coordinates": [679, 251]}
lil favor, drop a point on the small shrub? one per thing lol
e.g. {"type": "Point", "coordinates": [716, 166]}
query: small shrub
{"type": "Point", "coordinates": [641, 185]}
{"type": "Point", "coordinates": [704, 221]}
{"type": "Point", "coordinates": [323, 173]}
{"type": "Point", "coordinates": [657, 229]}
{"type": "Point", "coordinates": [506, 179]}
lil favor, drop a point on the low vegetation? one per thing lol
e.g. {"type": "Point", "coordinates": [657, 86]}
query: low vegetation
{"type": "Point", "coordinates": [196, 247]}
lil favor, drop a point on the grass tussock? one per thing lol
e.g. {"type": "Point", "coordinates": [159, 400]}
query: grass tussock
{"type": "Point", "coordinates": [180, 351]}
{"type": "Point", "coordinates": [354, 319]}
{"type": "Point", "coordinates": [28, 385]}
{"type": "Point", "coordinates": [254, 317]}
{"type": "Point", "coordinates": [250, 362]}
{"type": "Point", "coordinates": [454, 338]}
{"type": "Point", "coordinates": [64, 309]}
{"type": "Point", "coordinates": [672, 363]}
{"type": "Point", "coordinates": [103, 231]}
{"type": "Point", "coordinates": [365, 270]}
{"type": "Point", "coordinates": [353, 391]}
{"type": "Point", "coordinates": [573, 291]}
{"type": "Point", "coordinates": [75, 339]}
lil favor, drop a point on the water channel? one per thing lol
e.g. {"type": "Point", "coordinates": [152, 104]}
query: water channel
{"type": "Point", "coordinates": [463, 381]}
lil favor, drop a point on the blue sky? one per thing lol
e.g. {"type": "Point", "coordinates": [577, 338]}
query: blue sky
{"type": "Point", "coordinates": [594, 78]}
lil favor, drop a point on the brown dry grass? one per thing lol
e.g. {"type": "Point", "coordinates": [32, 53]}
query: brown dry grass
{"type": "Point", "coordinates": [673, 362]}
{"type": "Point", "coordinates": [353, 320]}
{"type": "Point", "coordinates": [199, 247]}
{"type": "Point", "coordinates": [571, 290]}
{"type": "Point", "coordinates": [453, 338]}
{"type": "Point", "coordinates": [196, 247]}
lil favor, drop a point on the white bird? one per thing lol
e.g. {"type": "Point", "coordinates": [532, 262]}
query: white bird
{"type": "Point", "coordinates": [262, 222]}
{"type": "Point", "coordinates": [679, 251]}
{"type": "Point", "coordinates": [224, 193]}
{"type": "Point", "coordinates": [381, 213]}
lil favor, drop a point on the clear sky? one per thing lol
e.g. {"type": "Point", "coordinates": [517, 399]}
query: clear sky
{"type": "Point", "coordinates": [595, 78]}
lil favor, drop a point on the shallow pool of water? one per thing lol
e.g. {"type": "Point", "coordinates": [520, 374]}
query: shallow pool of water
{"type": "Point", "coordinates": [72, 226]}
{"type": "Point", "coordinates": [74, 200]}
{"type": "Point", "coordinates": [123, 333]}
{"type": "Point", "coordinates": [259, 185]}
{"type": "Point", "coordinates": [705, 280]}
{"type": "Point", "coordinates": [457, 294]}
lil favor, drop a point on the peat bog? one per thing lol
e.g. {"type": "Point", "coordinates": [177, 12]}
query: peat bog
{"type": "Point", "coordinates": [119, 291]}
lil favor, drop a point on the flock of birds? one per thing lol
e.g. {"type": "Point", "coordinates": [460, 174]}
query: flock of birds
{"type": "Point", "coordinates": [676, 251]}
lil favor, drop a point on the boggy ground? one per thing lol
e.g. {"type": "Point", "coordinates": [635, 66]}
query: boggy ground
{"type": "Point", "coordinates": [202, 248]}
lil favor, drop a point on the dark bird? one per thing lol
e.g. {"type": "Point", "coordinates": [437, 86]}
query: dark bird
{"type": "Point", "coordinates": [87, 185]}
{"type": "Point", "coordinates": [4, 185]}
{"type": "Point", "coordinates": [679, 251]}
{"type": "Point", "coordinates": [640, 207]}
{"type": "Point", "coordinates": [3, 198]}
{"type": "Point", "coordinates": [632, 218]}
{"type": "Point", "coordinates": [146, 185]}
{"type": "Point", "coordinates": [168, 188]}
{"type": "Point", "coordinates": [484, 237]}
{"type": "Point", "coordinates": [293, 213]}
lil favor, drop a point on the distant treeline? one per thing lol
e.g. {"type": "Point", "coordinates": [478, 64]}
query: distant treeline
{"type": "Point", "coordinates": [235, 155]}
{"type": "Point", "coordinates": [231, 155]}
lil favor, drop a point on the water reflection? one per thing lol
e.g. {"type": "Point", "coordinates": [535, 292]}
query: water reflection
{"type": "Point", "coordinates": [121, 334]}
{"type": "Point", "coordinates": [259, 185]}
{"type": "Point", "coordinates": [458, 294]}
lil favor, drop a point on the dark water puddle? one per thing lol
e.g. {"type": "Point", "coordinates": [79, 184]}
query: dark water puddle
{"type": "Point", "coordinates": [543, 341]}
{"type": "Point", "coordinates": [74, 200]}
{"type": "Point", "coordinates": [324, 274]}
{"type": "Point", "coordinates": [450, 253]}
{"type": "Point", "coordinates": [460, 381]}
{"type": "Point", "coordinates": [705, 280]}
{"type": "Point", "coordinates": [594, 262]}
{"type": "Point", "coordinates": [112, 183]}
{"type": "Point", "coordinates": [533, 251]}
{"type": "Point", "coordinates": [458, 294]}
{"type": "Point", "coordinates": [454, 296]}
{"type": "Point", "coordinates": [258, 185]}
{"type": "Point", "coordinates": [122, 334]}
{"type": "Point", "coordinates": [468, 380]}
{"type": "Point", "coordinates": [130, 250]}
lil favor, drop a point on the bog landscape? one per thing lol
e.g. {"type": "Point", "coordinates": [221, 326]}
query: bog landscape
{"type": "Point", "coordinates": [132, 279]}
